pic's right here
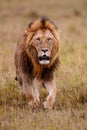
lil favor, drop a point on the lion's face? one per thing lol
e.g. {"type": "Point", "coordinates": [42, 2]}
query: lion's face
{"type": "Point", "coordinates": [44, 44]}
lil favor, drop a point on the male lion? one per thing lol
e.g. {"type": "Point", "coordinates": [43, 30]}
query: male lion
{"type": "Point", "coordinates": [36, 58]}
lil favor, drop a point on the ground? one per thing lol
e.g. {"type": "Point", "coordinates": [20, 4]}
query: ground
{"type": "Point", "coordinates": [70, 111]}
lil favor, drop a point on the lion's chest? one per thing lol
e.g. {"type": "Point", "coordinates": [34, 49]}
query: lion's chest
{"type": "Point", "coordinates": [45, 74]}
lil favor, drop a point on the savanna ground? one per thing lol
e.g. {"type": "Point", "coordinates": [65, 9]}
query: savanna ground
{"type": "Point", "coordinates": [70, 112]}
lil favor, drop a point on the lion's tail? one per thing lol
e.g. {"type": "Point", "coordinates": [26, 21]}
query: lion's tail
{"type": "Point", "coordinates": [16, 78]}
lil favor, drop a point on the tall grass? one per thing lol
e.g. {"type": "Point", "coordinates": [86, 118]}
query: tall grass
{"type": "Point", "coordinates": [70, 111]}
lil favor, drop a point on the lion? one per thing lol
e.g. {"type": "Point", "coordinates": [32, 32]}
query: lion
{"type": "Point", "coordinates": [36, 59]}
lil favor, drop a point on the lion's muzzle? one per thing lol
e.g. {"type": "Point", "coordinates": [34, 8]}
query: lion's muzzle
{"type": "Point", "coordinates": [44, 57]}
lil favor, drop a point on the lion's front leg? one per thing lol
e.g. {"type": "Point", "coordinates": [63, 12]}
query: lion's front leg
{"type": "Point", "coordinates": [36, 89]}
{"type": "Point", "coordinates": [51, 88]}
{"type": "Point", "coordinates": [32, 93]}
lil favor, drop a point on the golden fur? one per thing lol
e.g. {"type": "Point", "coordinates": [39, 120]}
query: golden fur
{"type": "Point", "coordinates": [36, 58]}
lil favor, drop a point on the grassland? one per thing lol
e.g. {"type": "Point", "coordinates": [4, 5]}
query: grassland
{"type": "Point", "coordinates": [70, 112]}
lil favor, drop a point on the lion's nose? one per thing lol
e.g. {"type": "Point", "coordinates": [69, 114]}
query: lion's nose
{"type": "Point", "coordinates": [44, 50]}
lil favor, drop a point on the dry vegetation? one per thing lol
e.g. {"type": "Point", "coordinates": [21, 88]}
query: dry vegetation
{"type": "Point", "coordinates": [70, 112]}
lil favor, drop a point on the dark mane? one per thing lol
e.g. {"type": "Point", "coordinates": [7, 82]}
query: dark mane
{"type": "Point", "coordinates": [43, 21]}
{"type": "Point", "coordinates": [47, 73]}
{"type": "Point", "coordinates": [27, 65]}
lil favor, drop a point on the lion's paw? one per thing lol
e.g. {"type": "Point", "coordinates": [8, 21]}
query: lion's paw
{"type": "Point", "coordinates": [49, 104]}
{"type": "Point", "coordinates": [33, 104]}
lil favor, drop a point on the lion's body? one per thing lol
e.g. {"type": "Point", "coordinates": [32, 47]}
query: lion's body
{"type": "Point", "coordinates": [36, 58]}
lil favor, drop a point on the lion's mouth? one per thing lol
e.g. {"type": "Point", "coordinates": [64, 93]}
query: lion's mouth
{"type": "Point", "coordinates": [44, 59]}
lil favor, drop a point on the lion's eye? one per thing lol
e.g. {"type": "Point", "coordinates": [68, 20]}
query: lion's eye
{"type": "Point", "coordinates": [38, 40]}
{"type": "Point", "coordinates": [50, 40]}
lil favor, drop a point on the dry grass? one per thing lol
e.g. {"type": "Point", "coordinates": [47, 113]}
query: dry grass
{"type": "Point", "coordinates": [70, 112]}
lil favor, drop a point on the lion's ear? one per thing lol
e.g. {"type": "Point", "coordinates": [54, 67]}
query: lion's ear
{"type": "Point", "coordinates": [57, 35]}
{"type": "Point", "coordinates": [29, 35]}
{"type": "Point", "coordinates": [26, 30]}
